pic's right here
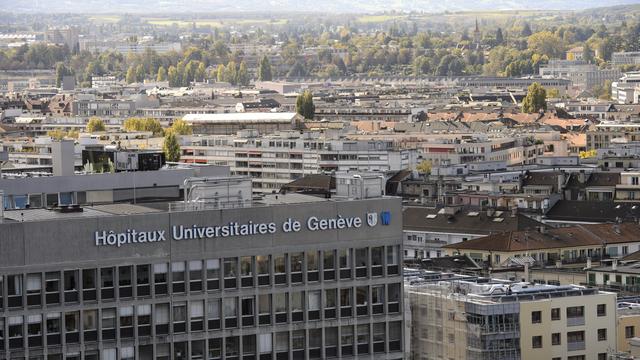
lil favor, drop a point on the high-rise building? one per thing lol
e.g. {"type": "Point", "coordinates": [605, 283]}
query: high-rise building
{"type": "Point", "coordinates": [289, 277]}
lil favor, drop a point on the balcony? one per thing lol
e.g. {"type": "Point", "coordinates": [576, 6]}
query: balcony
{"type": "Point", "coordinates": [575, 321]}
{"type": "Point", "coordinates": [575, 346]}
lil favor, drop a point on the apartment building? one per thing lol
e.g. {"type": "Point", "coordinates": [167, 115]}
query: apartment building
{"type": "Point", "coordinates": [462, 317]}
{"type": "Point", "coordinates": [542, 246]}
{"type": "Point", "coordinates": [291, 277]}
{"type": "Point", "coordinates": [580, 73]}
{"type": "Point", "coordinates": [277, 159]}
{"type": "Point", "coordinates": [603, 134]}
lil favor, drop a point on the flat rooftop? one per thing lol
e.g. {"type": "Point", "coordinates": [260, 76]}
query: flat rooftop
{"type": "Point", "coordinates": [118, 209]}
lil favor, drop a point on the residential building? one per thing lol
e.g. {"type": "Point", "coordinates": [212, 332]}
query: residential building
{"type": "Point", "coordinates": [625, 58]}
{"type": "Point", "coordinates": [580, 73]}
{"type": "Point", "coordinates": [557, 246]}
{"type": "Point", "coordinates": [275, 160]}
{"type": "Point", "coordinates": [466, 317]}
{"type": "Point", "coordinates": [230, 123]}
{"type": "Point", "coordinates": [426, 230]}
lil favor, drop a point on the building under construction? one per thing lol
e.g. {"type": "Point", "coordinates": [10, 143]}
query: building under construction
{"type": "Point", "coordinates": [463, 317]}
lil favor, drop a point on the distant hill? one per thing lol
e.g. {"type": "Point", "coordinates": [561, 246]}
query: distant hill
{"type": "Point", "coordinates": [273, 6]}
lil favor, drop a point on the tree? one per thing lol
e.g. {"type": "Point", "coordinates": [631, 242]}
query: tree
{"type": "Point", "coordinates": [424, 167]}
{"type": "Point", "coordinates": [143, 124]}
{"type": "Point", "coordinates": [131, 75]}
{"type": "Point", "coordinates": [231, 73]}
{"type": "Point", "coordinates": [243, 75]}
{"type": "Point", "coordinates": [95, 125]}
{"type": "Point", "coordinates": [587, 54]}
{"type": "Point", "coordinates": [546, 43]}
{"type": "Point", "coordinates": [173, 77]}
{"type": "Point", "coordinates": [450, 65]}
{"type": "Point", "coordinates": [57, 134]}
{"type": "Point", "coordinates": [535, 100]}
{"type": "Point", "coordinates": [499, 37]}
{"type": "Point", "coordinates": [181, 127]}
{"type": "Point", "coordinates": [264, 70]}
{"type": "Point", "coordinates": [140, 73]}
{"type": "Point", "coordinates": [220, 73]}
{"type": "Point", "coordinates": [162, 74]}
{"type": "Point", "coordinates": [61, 72]}
{"type": "Point", "coordinates": [201, 72]}
{"type": "Point", "coordinates": [171, 147]}
{"type": "Point", "coordinates": [305, 106]}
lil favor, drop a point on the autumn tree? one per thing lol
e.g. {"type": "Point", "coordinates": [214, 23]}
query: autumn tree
{"type": "Point", "coordinates": [95, 124]}
{"type": "Point", "coordinates": [535, 100]}
{"type": "Point", "coordinates": [162, 74]}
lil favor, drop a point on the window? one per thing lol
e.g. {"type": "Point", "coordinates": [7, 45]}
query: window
{"type": "Point", "coordinates": [362, 261]}
{"type": "Point", "coordinates": [346, 340]}
{"type": "Point", "coordinates": [345, 302]}
{"type": "Point", "coordinates": [312, 266]}
{"type": "Point", "coordinates": [247, 308]}
{"type": "Point", "coordinates": [109, 324]}
{"type": "Point", "coordinates": [629, 332]}
{"type": "Point", "coordinates": [313, 305]}
{"type": "Point", "coordinates": [555, 339]}
{"type": "Point", "coordinates": [160, 278]}
{"type": "Point", "coordinates": [262, 267]}
{"type": "Point", "coordinates": [331, 342]}
{"type": "Point", "coordinates": [393, 298]}
{"type": "Point", "coordinates": [34, 331]}
{"type": "Point", "coordinates": [329, 265]}
{"type": "Point", "coordinates": [536, 317]}
{"type": "Point", "coordinates": [213, 314]}
{"type": "Point", "coordinates": [297, 306]}
{"type": "Point", "coordinates": [362, 300]}
{"type": "Point", "coordinates": [177, 277]}
{"type": "Point", "coordinates": [161, 315]}
{"type": "Point", "coordinates": [213, 274]}
{"type": "Point", "coordinates": [344, 259]}
{"type": "Point", "coordinates": [142, 280]}
{"type": "Point", "coordinates": [195, 276]}
{"type": "Point", "coordinates": [280, 271]}
{"type": "Point", "coordinates": [379, 337]}
{"type": "Point", "coordinates": [230, 273]}
{"type": "Point", "coordinates": [363, 338]}
{"type": "Point", "coordinates": [34, 289]}
{"type": "Point", "coordinates": [602, 310]}
{"type": "Point", "coordinates": [196, 315]}
{"type": "Point", "coordinates": [230, 311]}
{"type": "Point", "coordinates": [555, 314]}
{"type": "Point", "coordinates": [265, 344]}
{"type": "Point", "coordinates": [125, 281]}
{"type": "Point", "coordinates": [295, 264]}
{"type": "Point", "coordinates": [144, 320]}
{"type": "Point", "coordinates": [246, 271]}
{"type": "Point", "coordinates": [126, 321]}
{"type": "Point", "coordinates": [602, 334]}
{"type": "Point", "coordinates": [179, 317]}
{"type": "Point", "coordinates": [536, 342]}
{"type": "Point", "coordinates": [602, 356]}
{"type": "Point", "coordinates": [330, 303]}
{"type": "Point", "coordinates": [106, 283]}
{"type": "Point", "coordinates": [264, 309]}
{"type": "Point", "coordinates": [280, 304]}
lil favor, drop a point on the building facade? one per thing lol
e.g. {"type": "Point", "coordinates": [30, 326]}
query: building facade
{"type": "Point", "coordinates": [314, 280]}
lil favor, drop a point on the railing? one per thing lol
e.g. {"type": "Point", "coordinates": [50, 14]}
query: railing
{"type": "Point", "coordinates": [575, 321]}
{"type": "Point", "coordinates": [575, 346]}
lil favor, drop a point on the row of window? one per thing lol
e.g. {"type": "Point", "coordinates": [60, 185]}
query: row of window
{"type": "Point", "coordinates": [54, 328]}
{"type": "Point", "coordinates": [572, 312]}
{"type": "Point", "coordinates": [72, 286]}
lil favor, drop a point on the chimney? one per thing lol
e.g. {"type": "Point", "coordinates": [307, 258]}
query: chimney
{"type": "Point", "coordinates": [63, 157]}
{"type": "Point", "coordinates": [542, 229]}
{"type": "Point", "coordinates": [582, 177]}
{"type": "Point", "coordinates": [558, 264]}
{"type": "Point", "coordinates": [614, 265]}
{"type": "Point", "coordinates": [588, 263]}
{"type": "Point", "coordinates": [526, 271]}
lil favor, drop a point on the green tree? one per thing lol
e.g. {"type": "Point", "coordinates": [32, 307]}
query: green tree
{"type": "Point", "coordinates": [264, 70]}
{"type": "Point", "coordinates": [131, 75]}
{"type": "Point", "coordinates": [546, 43]}
{"type": "Point", "coordinates": [499, 37]}
{"type": "Point", "coordinates": [181, 127]}
{"type": "Point", "coordinates": [171, 147]}
{"type": "Point", "coordinates": [143, 124]}
{"type": "Point", "coordinates": [526, 30]}
{"type": "Point", "coordinates": [231, 73]}
{"type": "Point", "coordinates": [535, 100]}
{"type": "Point", "coordinates": [243, 75]}
{"type": "Point", "coordinates": [220, 73]}
{"type": "Point", "coordinates": [450, 65]}
{"type": "Point", "coordinates": [173, 77]}
{"type": "Point", "coordinates": [201, 72]}
{"type": "Point", "coordinates": [140, 73]}
{"type": "Point", "coordinates": [162, 74]}
{"type": "Point", "coordinates": [95, 124]}
{"type": "Point", "coordinates": [61, 72]}
{"type": "Point", "coordinates": [305, 106]}
{"type": "Point", "coordinates": [587, 54]}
